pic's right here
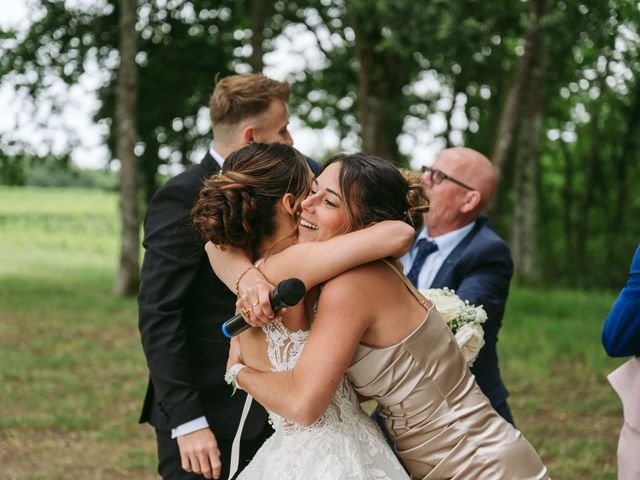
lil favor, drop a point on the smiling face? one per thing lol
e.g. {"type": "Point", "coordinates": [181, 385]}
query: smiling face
{"type": "Point", "coordinates": [324, 212]}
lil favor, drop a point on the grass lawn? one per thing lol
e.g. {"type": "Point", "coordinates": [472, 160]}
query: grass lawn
{"type": "Point", "coordinates": [72, 372]}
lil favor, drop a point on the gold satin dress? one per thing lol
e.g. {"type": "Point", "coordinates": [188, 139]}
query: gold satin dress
{"type": "Point", "coordinates": [442, 424]}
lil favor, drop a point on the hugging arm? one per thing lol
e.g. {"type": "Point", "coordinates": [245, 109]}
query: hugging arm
{"type": "Point", "coordinates": [303, 394]}
{"type": "Point", "coordinates": [316, 262]}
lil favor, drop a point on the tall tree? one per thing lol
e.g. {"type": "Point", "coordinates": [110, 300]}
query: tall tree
{"type": "Point", "coordinates": [524, 231]}
{"type": "Point", "coordinates": [259, 15]}
{"type": "Point", "coordinates": [512, 109]}
{"type": "Point", "coordinates": [379, 87]}
{"type": "Point", "coordinates": [127, 278]}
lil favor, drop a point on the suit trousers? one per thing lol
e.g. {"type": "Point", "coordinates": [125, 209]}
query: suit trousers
{"type": "Point", "coordinates": [170, 465]}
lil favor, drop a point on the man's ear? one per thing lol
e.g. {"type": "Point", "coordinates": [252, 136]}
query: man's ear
{"type": "Point", "coordinates": [249, 134]}
{"type": "Point", "coordinates": [472, 200]}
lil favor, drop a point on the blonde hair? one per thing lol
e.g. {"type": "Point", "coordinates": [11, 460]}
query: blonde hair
{"type": "Point", "coordinates": [238, 97]}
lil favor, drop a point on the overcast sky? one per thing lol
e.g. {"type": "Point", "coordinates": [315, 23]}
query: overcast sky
{"type": "Point", "coordinates": [46, 131]}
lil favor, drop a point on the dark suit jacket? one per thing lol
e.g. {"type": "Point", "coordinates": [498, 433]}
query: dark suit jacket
{"type": "Point", "coordinates": [182, 305]}
{"type": "Point", "coordinates": [479, 269]}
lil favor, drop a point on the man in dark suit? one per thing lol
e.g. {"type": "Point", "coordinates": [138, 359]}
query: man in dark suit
{"type": "Point", "coordinates": [459, 250]}
{"type": "Point", "coordinates": [182, 304]}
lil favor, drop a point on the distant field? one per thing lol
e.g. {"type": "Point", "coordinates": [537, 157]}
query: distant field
{"type": "Point", "coordinates": [72, 372]}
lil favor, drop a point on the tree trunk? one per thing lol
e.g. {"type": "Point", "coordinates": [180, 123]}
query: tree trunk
{"type": "Point", "coordinates": [524, 234]}
{"type": "Point", "coordinates": [126, 281]}
{"type": "Point", "coordinates": [511, 111]}
{"type": "Point", "coordinates": [378, 137]}
{"type": "Point", "coordinates": [593, 177]}
{"type": "Point", "coordinates": [568, 196]}
{"type": "Point", "coordinates": [381, 77]}
{"type": "Point", "coordinates": [258, 12]}
{"type": "Point", "coordinates": [591, 174]}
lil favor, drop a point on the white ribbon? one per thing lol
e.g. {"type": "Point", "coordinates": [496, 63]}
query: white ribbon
{"type": "Point", "coordinates": [235, 446]}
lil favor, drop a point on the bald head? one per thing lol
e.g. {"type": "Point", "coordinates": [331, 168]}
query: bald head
{"type": "Point", "coordinates": [472, 168]}
{"type": "Point", "coordinates": [452, 204]}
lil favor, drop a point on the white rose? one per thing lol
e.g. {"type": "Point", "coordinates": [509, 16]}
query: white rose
{"type": "Point", "coordinates": [481, 315]}
{"type": "Point", "coordinates": [470, 339]}
{"type": "Point", "coordinates": [448, 306]}
{"type": "Point", "coordinates": [431, 293]}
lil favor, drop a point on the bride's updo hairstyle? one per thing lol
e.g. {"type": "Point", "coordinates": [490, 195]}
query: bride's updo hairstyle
{"type": "Point", "coordinates": [238, 206]}
{"type": "Point", "coordinates": [374, 190]}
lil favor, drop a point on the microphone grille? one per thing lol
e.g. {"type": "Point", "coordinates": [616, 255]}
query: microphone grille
{"type": "Point", "coordinates": [291, 291]}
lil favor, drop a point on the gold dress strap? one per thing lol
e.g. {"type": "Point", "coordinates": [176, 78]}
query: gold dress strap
{"type": "Point", "coordinates": [423, 301]}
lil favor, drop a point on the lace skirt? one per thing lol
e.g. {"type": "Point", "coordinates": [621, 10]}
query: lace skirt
{"type": "Point", "coordinates": [354, 449]}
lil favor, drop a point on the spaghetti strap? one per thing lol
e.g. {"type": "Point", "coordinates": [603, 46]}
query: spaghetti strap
{"type": "Point", "coordinates": [419, 297]}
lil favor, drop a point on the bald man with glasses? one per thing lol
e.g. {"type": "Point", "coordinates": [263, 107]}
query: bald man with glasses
{"type": "Point", "coordinates": [459, 250]}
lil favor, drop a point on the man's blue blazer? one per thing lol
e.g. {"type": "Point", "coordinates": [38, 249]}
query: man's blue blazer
{"type": "Point", "coordinates": [479, 269]}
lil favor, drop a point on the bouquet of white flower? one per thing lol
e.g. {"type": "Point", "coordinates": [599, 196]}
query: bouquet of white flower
{"type": "Point", "coordinates": [464, 320]}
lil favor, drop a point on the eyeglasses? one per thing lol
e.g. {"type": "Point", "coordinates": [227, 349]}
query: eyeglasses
{"type": "Point", "coordinates": [437, 176]}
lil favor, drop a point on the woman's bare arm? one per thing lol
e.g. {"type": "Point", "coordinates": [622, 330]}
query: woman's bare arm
{"type": "Point", "coordinates": [316, 262]}
{"type": "Point", "coordinates": [303, 394]}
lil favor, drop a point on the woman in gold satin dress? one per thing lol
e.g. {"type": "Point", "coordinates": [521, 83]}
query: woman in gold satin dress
{"type": "Point", "coordinates": [371, 324]}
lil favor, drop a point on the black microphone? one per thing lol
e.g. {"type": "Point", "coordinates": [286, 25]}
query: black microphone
{"type": "Point", "coordinates": [286, 294]}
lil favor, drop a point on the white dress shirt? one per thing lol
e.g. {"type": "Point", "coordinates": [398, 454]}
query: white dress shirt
{"type": "Point", "coordinates": [216, 156]}
{"type": "Point", "coordinates": [200, 422]}
{"type": "Point", "coordinates": [446, 243]}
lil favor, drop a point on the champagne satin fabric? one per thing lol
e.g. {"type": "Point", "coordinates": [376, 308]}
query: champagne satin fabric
{"type": "Point", "coordinates": [442, 424]}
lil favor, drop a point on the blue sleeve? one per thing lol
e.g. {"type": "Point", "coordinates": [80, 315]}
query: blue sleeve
{"type": "Point", "coordinates": [621, 332]}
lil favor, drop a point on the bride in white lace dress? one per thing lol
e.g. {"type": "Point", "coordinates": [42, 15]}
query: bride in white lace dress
{"type": "Point", "coordinates": [254, 204]}
{"type": "Point", "coordinates": [343, 444]}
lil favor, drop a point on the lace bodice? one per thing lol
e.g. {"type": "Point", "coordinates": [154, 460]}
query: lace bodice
{"type": "Point", "coordinates": [344, 443]}
{"type": "Point", "coordinates": [284, 349]}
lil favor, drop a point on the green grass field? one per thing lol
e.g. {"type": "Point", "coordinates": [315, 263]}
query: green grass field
{"type": "Point", "coordinates": [72, 372]}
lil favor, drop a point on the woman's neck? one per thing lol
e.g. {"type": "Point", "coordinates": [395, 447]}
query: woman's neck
{"type": "Point", "coordinates": [275, 243]}
{"type": "Point", "coordinates": [283, 236]}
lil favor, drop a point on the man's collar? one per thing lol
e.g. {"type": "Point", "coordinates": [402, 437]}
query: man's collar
{"type": "Point", "coordinates": [449, 240]}
{"type": "Point", "coordinates": [421, 235]}
{"type": "Point", "coordinates": [216, 156]}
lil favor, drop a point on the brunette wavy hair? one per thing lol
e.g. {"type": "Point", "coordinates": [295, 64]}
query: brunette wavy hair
{"type": "Point", "coordinates": [373, 189]}
{"type": "Point", "coordinates": [238, 206]}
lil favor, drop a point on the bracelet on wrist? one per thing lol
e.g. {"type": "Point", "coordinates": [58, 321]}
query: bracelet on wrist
{"type": "Point", "coordinates": [240, 278]}
{"type": "Point", "coordinates": [231, 374]}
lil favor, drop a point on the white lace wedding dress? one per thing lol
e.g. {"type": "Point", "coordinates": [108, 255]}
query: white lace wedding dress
{"type": "Point", "coordinates": [342, 444]}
